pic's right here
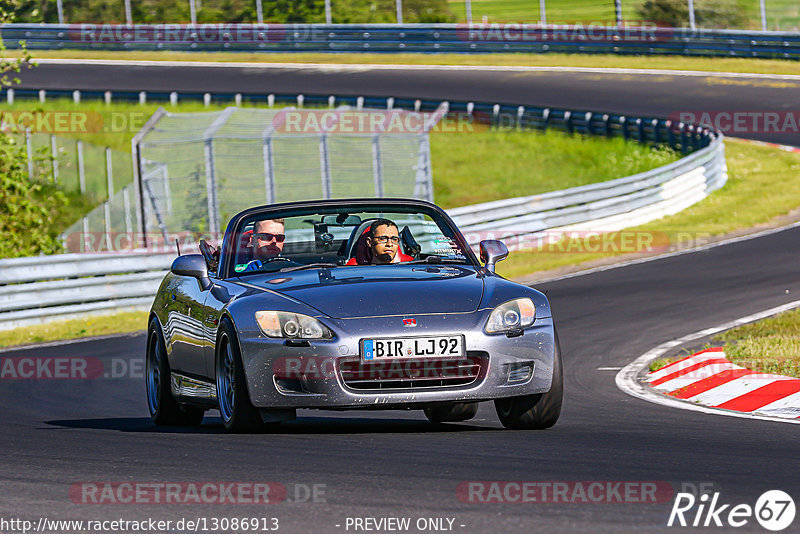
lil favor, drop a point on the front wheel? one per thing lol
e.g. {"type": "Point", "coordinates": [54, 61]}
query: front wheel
{"type": "Point", "coordinates": [237, 412]}
{"type": "Point", "coordinates": [164, 411]}
{"type": "Point", "coordinates": [538, 411]}
{"type": "Point", "coordinates": [451, 413]}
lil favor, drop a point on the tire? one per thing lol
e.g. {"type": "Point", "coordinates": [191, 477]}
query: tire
{"type": "Point", "coordinates": [451, 413]}
{"type": "Point", "coordinates": [237, 412]}
{"type": "Point", "coordinates": [535, 412]}
{"type": "Point", "coordinates": [164, 411]}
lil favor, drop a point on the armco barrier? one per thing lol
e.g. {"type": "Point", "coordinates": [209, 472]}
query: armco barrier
{"type": "Point", "coordinates": [437, 38]}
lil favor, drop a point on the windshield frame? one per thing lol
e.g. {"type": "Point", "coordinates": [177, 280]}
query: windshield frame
{"type": "Point", "coordinates": [314, 207]}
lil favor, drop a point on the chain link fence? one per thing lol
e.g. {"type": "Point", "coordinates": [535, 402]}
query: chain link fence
{"type": "Point", "coordinates": [199, 169]}
{"type": "Point", "coordinates": [777, 15]}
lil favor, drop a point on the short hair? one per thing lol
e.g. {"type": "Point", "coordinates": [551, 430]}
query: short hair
{"type": "Point", "coordinates": [279, 221]}
{"type": "Point", "coordinates": [380, 222]}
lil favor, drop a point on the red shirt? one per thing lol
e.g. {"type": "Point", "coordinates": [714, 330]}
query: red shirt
{"type": "Point", "coordinates": [399, 257]}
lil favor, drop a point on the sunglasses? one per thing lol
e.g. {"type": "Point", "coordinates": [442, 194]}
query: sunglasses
{"type": "Point", "coordinates": [269, 237]}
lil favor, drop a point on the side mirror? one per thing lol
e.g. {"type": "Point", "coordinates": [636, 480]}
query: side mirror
{"type": "Point", "coordinates": [193, 265]}
{"type": "Point", "coordinates": [493, 251]}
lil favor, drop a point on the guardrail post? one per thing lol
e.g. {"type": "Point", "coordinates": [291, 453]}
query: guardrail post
{"type": "Point", "coordinates": [173, 98]}
{"type": "Point", "coordinates": [237, 100]}
{"type": "Point", "coordinates": [390, 103]}
{"type": "Point", "coordinates": [640, 125]}
{"type": "Point", "coordinates": [270, 101]}
{"type": "Point", "coordinates": [142, 97]}
{"type": "Point", "coordinates": [331, 101]}
{"type": "Point", "coordinates": [545, 119]}
{"type": "Point", "coordinates": [42, 96]}
{"type": "Point", "coordinates": [377, 165]}
{"type": "Point", "coordinates": [107, 97]}
{"type": "Point", "coordinates": [29, 151]}
{"type": "Point", "coordinates": [656, 133]}
{"type": "Point", "coordinates": [76, 97]}
{"type": "Point", "coordinates": [10, 96]}
{"type": "Point", "coordinates": [588, 120]}
{"type": "Point", "coordinates": [300, 100]}
{"type": "Point", "coordinates": [417, 105]}
{"type": "Point", "coordinates": [684, 144]}
{"type": "Point", "coordinates": [623, 123]}
{"type": "Point", "coordinates": [520, 112]}
{"type": "Point", "coordinates": [207, 99]}
{"type": "Point", "coordinates": [568, 122]}
{"type": "Point", "coordinates": [360, 103]}
{"type": "Point", "coordinates": [54, 157]}
{"type": "Point", "coordinates": [81, 169]}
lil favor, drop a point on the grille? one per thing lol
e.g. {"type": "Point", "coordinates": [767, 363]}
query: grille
{"type": "Point", "coordinates": [394, 374]}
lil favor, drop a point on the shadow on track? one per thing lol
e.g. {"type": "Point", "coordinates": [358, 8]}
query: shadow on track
{"type": "Point", "coordinates": [302, 425]}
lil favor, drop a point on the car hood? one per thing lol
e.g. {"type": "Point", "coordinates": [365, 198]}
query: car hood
{"type": "Point", "coordinates": [374, 291]}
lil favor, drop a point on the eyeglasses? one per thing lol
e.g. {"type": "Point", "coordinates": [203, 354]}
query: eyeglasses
{"type": "Point", "coordinates": [386, 238]}
{"type": "Point", "coordinates": [269, 237]}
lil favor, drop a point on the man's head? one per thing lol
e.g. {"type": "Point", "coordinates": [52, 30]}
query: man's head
{"type": "Point", "coordinates": [384, 240]}
{"type": "Point", "coordinates": [268, 237]}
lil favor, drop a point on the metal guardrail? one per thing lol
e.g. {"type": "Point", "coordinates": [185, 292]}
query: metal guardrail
{"type": "Point", "coordinates": [606, 206]}
{"type": "Point", "coordinates": [458, 38]}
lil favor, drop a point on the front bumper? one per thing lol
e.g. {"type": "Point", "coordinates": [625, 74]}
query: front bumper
{"type": "Point", "coordinates": [283, 376]}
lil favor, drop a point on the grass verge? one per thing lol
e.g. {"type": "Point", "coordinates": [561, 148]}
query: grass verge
{"type": "Point", "coordinates": [118, 323]}
{"type": "Point", "coordinates": [762, 186]}
{"type": "Point", "coordinates": [768, 346]}
{"type": "Point", "coordinates": [741, 65]}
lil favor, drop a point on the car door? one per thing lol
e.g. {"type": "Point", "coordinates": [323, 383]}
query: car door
{"type": "Point", "coordinates": [185, 326]}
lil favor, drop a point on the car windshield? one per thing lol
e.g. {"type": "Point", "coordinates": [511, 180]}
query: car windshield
{"type": "Point", "coordinates": [340, 236]}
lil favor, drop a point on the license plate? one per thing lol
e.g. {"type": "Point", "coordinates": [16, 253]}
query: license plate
{"type": "Point", "coordinates": [412, 347]}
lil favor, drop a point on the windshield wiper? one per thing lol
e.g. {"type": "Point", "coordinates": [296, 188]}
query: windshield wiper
{"type": "Point", "coordinates": [309, 266]}
{"type": "Point", "coordinates": [435, 259]}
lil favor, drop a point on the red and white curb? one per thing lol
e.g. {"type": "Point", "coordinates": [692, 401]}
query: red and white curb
{"type": "Point", "coordinates": [707, 382]}
{"type": "Point", "coordinates": [708, 378]}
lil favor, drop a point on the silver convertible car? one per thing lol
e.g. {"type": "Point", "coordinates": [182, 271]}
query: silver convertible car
{"type": "Point", "coordinates": [348, 304]}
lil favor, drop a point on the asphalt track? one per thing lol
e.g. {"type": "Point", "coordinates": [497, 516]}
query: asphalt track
{"type": "Point", "coordinates": [394, 464]}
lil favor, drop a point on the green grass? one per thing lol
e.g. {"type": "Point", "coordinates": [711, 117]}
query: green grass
{"type": "Point", "coordinates": [757, 66]}
{"type": "Point", "coordinates": [768, 346]}
{"type": "Point", "coordinates": [481, 167]}
{"type": "Point", "coordinates": [658, 363]}
{"type": "Point", "coordinates": [118, 323]}
{"type": "Point", "coordinates": [762, 185]}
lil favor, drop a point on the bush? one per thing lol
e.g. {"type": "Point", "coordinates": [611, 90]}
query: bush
{"type": "Point", "coordinates": [708, 13]}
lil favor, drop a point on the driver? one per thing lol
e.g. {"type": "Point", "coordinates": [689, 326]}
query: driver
{"type": "Point", "coordinates": [384, 244]}
{"type": "Point", "coordinates": [267, 242]}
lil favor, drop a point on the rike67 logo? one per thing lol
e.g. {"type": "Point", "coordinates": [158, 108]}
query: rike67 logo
{"type": "Point", "coordinates": [774, 510]}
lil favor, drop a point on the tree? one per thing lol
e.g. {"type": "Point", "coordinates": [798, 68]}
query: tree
{"type": "Point", "coordinates": [27, 206]}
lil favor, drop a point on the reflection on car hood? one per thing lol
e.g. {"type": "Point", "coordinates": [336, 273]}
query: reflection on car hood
{"type": "Point", "coordinates": [363, 291]}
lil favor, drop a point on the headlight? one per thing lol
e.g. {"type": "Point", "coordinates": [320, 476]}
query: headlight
{"type": "Point", "coordinates": [291, 325]}
{"type": "Point", "coordinates": [512, 315]}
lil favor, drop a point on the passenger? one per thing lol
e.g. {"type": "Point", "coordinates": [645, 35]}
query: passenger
{"type": "Point", "coordinates": [267, 242]}
{"type": "Point", "coordinates": [383, 243]}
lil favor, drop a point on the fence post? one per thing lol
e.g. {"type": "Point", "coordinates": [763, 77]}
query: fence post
{"type": "Point", "coordinates": [29, 150]}
{"type": "Point", "coordinates": [192, 12]}
{"type": "Point", "coordinates": [81, 169]}
{"type": "Point", "coordinates": [399, 9]}
{"type": "Point", "coordinates": [128, 15]}
{"type": "Point", "coordinates": [107, 216]}
{"type": "Point", "coordinates": [85, 227]}
{"type": "Point", "coordinates": [260, 12]}
{"type": "Point", "coordinates": [60, 9]}
{"type": "Point", "coordinates": [692, 23]}
{"type": "Point", "coordinates": [211, 187]}
{"type": "Point", "coordinates": [618, 11]}
{"type": "Point", "coordinates": [763, 9]}
{"type": "Point", "coordinates": [377, 165]}
{"type": "Point", "coordinates": [126, 206]}
{"type": "Point", "coordinates": [542, 12]}
{"type": "Point", "coordinates": [325, 166]}
{"type": "Point", "coordinates": [167, 189]}
{"type": "Point", "coordinates": [109, 174]}
{"type": "Point", "coordinates": [328, 19]}
{"type": "Point", "coordinates": [269, 169]}
{"type": "Point", "coordinates": [468, 7]}
{"type": "Point", "coordinates": [54, 157]}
